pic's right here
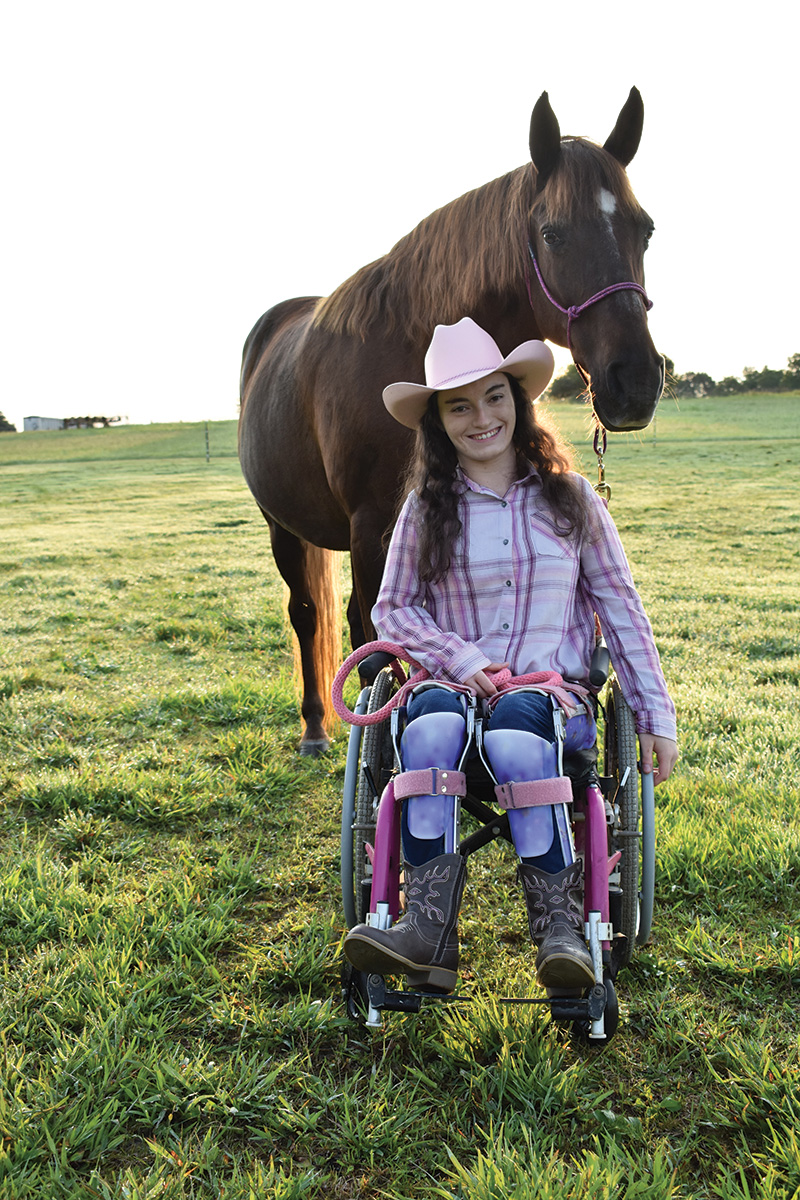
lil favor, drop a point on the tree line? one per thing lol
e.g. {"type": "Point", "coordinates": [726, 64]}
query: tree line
{"type": "Point", "coordinates": [698, 383]}
{"type": "Point", "coordinates": [569, 384]}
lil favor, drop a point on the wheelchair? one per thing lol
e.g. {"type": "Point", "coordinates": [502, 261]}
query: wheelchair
{"type": "Point", "coordinates": [613, 827]}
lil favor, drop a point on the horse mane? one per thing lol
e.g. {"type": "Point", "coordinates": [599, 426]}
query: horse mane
{"type": "Point", "coordinates": [583, 169]}
{"type": "Point", "coordinates": [472, 248]}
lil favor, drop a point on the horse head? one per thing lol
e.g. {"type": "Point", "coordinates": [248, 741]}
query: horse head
{"type": "Point", "coordinates": [588, 235]}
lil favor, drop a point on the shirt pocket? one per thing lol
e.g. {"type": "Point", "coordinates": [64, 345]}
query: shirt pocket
{"type": "Point", "coordinates": [550, 545]}
{"type": "Point", "coordinates": [555, 567]}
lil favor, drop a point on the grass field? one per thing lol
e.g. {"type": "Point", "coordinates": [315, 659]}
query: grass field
{"type": "Point", "coordinates": [170, 921]}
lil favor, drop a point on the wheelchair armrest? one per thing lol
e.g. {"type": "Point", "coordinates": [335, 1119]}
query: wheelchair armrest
{"type": "Point", "coordinates": [369, 668]}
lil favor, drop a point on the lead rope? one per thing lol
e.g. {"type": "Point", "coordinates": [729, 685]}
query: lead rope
{"type": "Point", "coordinates": [602, 488]}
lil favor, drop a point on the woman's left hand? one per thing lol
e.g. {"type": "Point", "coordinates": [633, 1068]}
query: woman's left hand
{"type": "Point", "coordinates": [481, 684]}
{"type": "Point", "coordinates": [665, 752]}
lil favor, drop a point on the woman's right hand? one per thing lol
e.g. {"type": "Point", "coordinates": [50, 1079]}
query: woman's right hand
{"type": "Point", "coordinates": [481, 684]}
{"type": "Point", "coordinates": [663, 750]}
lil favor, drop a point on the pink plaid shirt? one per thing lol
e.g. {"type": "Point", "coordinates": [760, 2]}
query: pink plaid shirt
{"type": "Point", "coordinates": [518, 593]}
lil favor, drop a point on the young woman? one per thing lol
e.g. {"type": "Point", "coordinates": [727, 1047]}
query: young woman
{"type": "Point", "coordinates": [500, 558]}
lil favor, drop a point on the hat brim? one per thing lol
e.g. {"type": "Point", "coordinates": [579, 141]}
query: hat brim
{"type": "Point", "coordinates": [531, 363]}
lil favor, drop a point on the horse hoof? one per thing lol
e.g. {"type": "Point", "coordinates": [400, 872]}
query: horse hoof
{"type": "Point", "coordinates": [313, 749]}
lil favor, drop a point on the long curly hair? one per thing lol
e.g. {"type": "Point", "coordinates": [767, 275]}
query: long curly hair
{"type": "Point", "coordinates": [432, 475]}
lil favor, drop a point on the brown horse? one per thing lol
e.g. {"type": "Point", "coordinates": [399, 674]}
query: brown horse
{"type": "Point", "coordinates": [321, 455]}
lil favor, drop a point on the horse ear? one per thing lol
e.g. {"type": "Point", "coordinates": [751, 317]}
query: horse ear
{"type": "Point", "coordinates": [545, 140]}
{"type": "Point", "coordinates": [623, 141]}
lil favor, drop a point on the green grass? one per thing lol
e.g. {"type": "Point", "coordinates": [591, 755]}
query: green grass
{"type": "Point", "coordinates": [170, 921]}
{"type": "Point", "coordinates": [121, 443]}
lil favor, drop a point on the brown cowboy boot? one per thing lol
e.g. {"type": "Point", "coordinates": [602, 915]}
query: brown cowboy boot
{"type": "Point", "coordinates": [555, 917]}
{"type": "Point", "coordinates": [424, 944]}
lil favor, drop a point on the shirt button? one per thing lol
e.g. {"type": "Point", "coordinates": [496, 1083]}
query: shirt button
{"type": "Point", "coordinates": [505, 626]}
{"type": "Point", "coordinates": [508, 583]}
{"type": "Point", "coordinates": [505, 541]}
{"type": "Point", "coordinates": [504, 504]}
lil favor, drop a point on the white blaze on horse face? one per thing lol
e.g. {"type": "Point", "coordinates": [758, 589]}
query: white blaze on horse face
{"type": "Point", "coordinates": [607, 202]}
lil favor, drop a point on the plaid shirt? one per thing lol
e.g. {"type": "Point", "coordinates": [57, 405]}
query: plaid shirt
{"type": "Point", "coordinates": [516, 592]}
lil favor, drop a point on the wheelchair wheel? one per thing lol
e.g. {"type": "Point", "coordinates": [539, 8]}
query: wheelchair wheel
{"type": "Point", "coordinates": [620, 763]}
{"type": "Point", "coordinates": [376, 754]}
{"type": "Point", "coordinates": [349, 790]}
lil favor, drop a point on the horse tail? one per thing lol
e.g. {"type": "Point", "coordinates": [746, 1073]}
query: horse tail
{"type": "Point", "coordinates": [324, 579]}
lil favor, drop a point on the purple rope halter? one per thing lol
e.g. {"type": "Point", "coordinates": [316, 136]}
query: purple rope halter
{"type": "Point", "coordinates": [575, 310]}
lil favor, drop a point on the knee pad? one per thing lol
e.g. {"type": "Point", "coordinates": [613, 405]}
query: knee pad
{"type": "Point", "coordinates": [516, 756]}
{"type": "Point", "coordinates": [433, 740]}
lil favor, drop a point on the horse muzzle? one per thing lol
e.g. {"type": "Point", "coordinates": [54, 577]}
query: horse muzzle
{"type": "Point", "coordinates": [625, 395]}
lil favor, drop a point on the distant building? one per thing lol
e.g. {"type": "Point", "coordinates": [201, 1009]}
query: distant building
{"type": "Point", "coordinates": [29, 423]}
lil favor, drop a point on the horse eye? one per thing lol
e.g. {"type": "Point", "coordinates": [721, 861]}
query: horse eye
{"type": "Point", "coordinates": [648, 233]}
{"type": "Point", "coordinates": [551, 238]}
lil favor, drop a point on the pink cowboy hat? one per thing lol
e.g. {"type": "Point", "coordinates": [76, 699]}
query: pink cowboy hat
{"type": "Point", "coordinates": [459, 354]}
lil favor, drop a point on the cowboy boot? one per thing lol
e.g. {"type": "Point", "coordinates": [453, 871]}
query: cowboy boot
{"type": "Point", "coordinates": [555, 918]}
{"type": "Point", "coordinates": [424, 943]}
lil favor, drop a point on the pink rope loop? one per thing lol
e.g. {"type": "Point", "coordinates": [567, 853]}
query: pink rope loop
{"type": "Point", "coordinates": [548, 681]}
{"type": "Point", "coordinates": [352, 661]}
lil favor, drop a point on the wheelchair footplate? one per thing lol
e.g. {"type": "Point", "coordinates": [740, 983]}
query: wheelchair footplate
{"type": "Point", "coordinates": [567, 1008]}
{"type": "Point", "coordinates": [381, 997]}
{"type": "Point", "coordinates": [367, 996]}
{"type": "Point", "coordinates": [593, 1015]}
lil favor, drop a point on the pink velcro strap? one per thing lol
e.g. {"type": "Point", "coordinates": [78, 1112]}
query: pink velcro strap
{"type": "Point", "coordinates": [534, 791]}
{"type": "Point", "coordinates": [430, 781]}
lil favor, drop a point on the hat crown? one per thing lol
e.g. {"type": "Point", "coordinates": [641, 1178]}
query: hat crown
{"type": "Point", "coordinates": [458, 352]}
{"type": "Point", "coordinates": [461, 354]}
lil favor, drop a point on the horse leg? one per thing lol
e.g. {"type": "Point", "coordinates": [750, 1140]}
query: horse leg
{"type": "Point", "coordinates": [312, 576]}
{"type": "Point", "coordinates": [357, 635]}
{"type": "Point", "coordinates": [354, 622]}
{"type": "Point", "coordinates": [367, 558]}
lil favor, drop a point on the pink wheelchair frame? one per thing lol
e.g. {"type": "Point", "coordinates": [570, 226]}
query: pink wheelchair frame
{"type": "Point", "coordinates": [618, 859]}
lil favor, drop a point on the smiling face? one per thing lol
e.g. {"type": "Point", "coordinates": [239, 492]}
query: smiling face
{"type": "Point", "coordinates": [479, 419]}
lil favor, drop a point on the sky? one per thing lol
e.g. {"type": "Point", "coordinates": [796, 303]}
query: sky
{"type": "Point", "coordinates": [173, 169]}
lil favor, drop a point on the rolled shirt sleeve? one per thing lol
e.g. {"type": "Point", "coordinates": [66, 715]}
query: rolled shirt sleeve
{"type": "Point", "coordinates": [607, 579]}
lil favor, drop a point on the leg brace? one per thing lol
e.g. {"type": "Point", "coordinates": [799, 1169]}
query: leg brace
{"type": "Point", "coordinates": [533, 792]}
{"type": "Point", "coordinates": [432, 750]}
